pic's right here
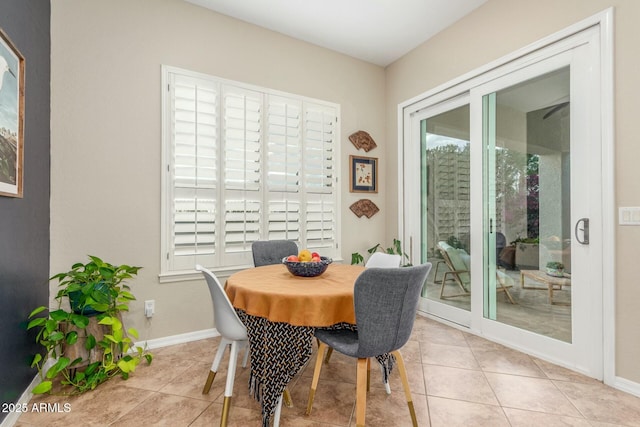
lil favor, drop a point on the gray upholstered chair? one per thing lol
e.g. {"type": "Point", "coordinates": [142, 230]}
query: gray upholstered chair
{"type": "Point", "coordinates": [379, 260]}
{"type": "Point", "coordinates": [234, 334]}
{"type": "Point", "coordinates": [385, 302]}
{"type": "Point", "coordinates": [268, 252]}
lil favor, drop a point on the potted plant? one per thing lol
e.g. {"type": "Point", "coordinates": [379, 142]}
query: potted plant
{"type": "Point", "coordinates": [527, 254]}
{"type": "Point", "coordinates": [396, 249]}
{"type": "Point", "coordinates": [555, 269]}
{"type": "Point", "coordinates": [87, 344]}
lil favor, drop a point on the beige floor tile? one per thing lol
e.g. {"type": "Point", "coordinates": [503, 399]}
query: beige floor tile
{"type": "Point", "coordinates": [333, 403]}
{"type": "Point", "coordinates": [448, 355]}
{"type": "Point", "coordinates": [159, 373]}
{"type": "Point", "coordinates": [533, 394]}
{"type": "Point", "coordinates": [392, 409]}
{"type": "Point", "coordinates": [238, 417]}
{"type": "Point", "coordinates": [456, 379]}
{"type": "Point", "coordinates": [456, 383]}
{"type": "Point", "coordinates": [164, 410]}
{"type": "Point", "coordinates": [90, 409]}
{"type": "Point", "coordinates": [438, 333]}
{"type": "Point", "coordinates": [520, 418]}
{"type": "Point", "coordinates": [556, 372]}
{"type": "Point", "coordinates": [191, 382]}
{"type": "Point", "coordinates": [602, 403]}
{"type": "Point", "coordinates": [456, 413]}
{"type": "Point", "coordinates": [507, 361]}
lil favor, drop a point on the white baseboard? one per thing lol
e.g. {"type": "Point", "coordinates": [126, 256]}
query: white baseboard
{"type": "Point", "coordinates": [179, 339]}
{"type": "Point", "coordinates": [626, 386]}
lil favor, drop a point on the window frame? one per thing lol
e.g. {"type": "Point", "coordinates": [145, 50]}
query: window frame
{"type": "Point", "coordinates": [167, 274]}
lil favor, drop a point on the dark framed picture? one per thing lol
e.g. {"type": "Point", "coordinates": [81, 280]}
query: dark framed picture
{"type": "Point", "coordinates": [363, 174]}
{"type": "Point", "coordinates": [11, 118]}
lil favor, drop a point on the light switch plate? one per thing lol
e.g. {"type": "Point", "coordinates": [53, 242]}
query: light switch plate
{"type": "Point", "coordinates": [629, 215]}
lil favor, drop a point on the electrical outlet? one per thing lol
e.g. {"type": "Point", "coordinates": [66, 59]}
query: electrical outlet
{"type": "Point", "coordinates": [149, 308]}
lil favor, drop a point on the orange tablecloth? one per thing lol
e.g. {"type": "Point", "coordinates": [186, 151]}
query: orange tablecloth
{"type": "Point", "coordinates": [277, 295]}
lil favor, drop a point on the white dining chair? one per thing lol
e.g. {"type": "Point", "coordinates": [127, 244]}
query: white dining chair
{"type": "Point", "coordinates": [383, 260]}
{"type": "Point", "coordinates": [234, 334]}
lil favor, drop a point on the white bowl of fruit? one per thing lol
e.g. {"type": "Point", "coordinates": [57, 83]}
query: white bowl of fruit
{"type": "Point", "coordinates": [306, 263]}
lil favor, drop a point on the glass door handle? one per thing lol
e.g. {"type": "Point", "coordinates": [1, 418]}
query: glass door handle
{"type": "Point", "coordinates": [584, 229]}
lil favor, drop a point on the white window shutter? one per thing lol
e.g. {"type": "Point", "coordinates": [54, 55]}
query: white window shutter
{"type": "Point", "coordinates": [242, 135]}
{"type": "Point", "coordinates": [244, 164]}
{"type": "Point", "coordinates": [193, 174]}
{"type": "Point", "coordinates": [320, 213]}
{"type": "Point", "coordinates": [284, 168]}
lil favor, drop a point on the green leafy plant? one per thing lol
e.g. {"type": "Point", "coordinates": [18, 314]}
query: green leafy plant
{"type": "Point", "coordinates": [533, 240]}
{"type": "Point", "coordinates": [394, 249]}
{"type": "Point", "coordinates": [555, 265]}
{"type": "Point", "coordinates": [80, 353]}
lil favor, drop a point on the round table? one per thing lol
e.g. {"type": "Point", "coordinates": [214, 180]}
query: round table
{"type": "Point", "coordinates": [273, 293]}
{"type": "Point", "coordinates": [281, 312]}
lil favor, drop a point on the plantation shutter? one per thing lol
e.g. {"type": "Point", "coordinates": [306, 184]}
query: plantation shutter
{"type": "Point", "coordinates": [193, 120]}
{"type": "Point", "coordinates": [244, 164]}
{"type": "Point", "coordinates": [284, 165]}
{"type": "Point", "coordinates": [320, 123]}
{"type": "Point", "coordinates": [242, 133]}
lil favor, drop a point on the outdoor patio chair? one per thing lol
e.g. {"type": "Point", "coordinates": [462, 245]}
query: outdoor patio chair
{"type": "Point", "coordinates": [457, 262]}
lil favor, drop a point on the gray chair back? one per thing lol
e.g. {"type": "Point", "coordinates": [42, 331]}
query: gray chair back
{"type": "Point", "coordinates": [268, 252]}
{"type": "Point", "coordinates": [386, 301]}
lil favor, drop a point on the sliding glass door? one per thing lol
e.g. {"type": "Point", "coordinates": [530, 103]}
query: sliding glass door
{"type": "Point", "coordinates": [508, 208]}
{"type": "Point", "coordinates": [445, 232]}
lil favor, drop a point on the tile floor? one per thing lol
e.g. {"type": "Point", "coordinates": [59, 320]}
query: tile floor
{"type": "Point", "coordinates": [457, 379]}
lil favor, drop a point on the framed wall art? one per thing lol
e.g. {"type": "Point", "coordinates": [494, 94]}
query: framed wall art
{"type": "Point", "coordinates": [363, 174]}
{"type": "Point", "coordinates": [11, 118]}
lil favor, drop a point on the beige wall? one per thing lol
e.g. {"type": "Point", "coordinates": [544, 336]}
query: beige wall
{"type": "Point", "coordinates": [106, 131]}
{"type": "Point", "coordinates": [498, 28]}
{"type": "Point", "coordinates": [105, 123]}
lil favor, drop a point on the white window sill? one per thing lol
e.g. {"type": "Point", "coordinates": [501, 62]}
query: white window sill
{"type": "Point", "coordinates": [221, 272]}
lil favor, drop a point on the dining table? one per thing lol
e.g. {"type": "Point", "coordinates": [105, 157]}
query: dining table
{"type": "Point", "coordinates": [281, 312]}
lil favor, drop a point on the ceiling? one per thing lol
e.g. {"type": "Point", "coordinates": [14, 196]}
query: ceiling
{"type": "Point", "coordinates": [376, 31]}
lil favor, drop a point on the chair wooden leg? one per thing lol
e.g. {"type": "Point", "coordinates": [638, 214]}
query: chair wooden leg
{"type": "Point", "coordinates": [316, 376]}
{"type": "Point", "coordinates": [368, 375]}
{"type": "Point", "coordinates": [328, 356]}
{"type": "Point", "coordinates": [286, 398]}
{"type": "Point", "coordinates": [361, 392]}
{"type": "Point", "coordinates": [405, 384]}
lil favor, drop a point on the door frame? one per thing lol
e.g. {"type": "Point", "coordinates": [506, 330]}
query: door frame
{"type": "Point", "coordinates": [603, 23]}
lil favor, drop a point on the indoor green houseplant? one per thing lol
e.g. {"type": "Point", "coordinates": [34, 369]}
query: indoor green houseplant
{"type": "Point", "coordinates": [87, 344]}
{"type": "Point", "coordinates": [395, 248]}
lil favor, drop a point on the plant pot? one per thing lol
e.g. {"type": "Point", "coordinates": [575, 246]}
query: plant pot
{"type": "Point", "coordinates": [555, 272]}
